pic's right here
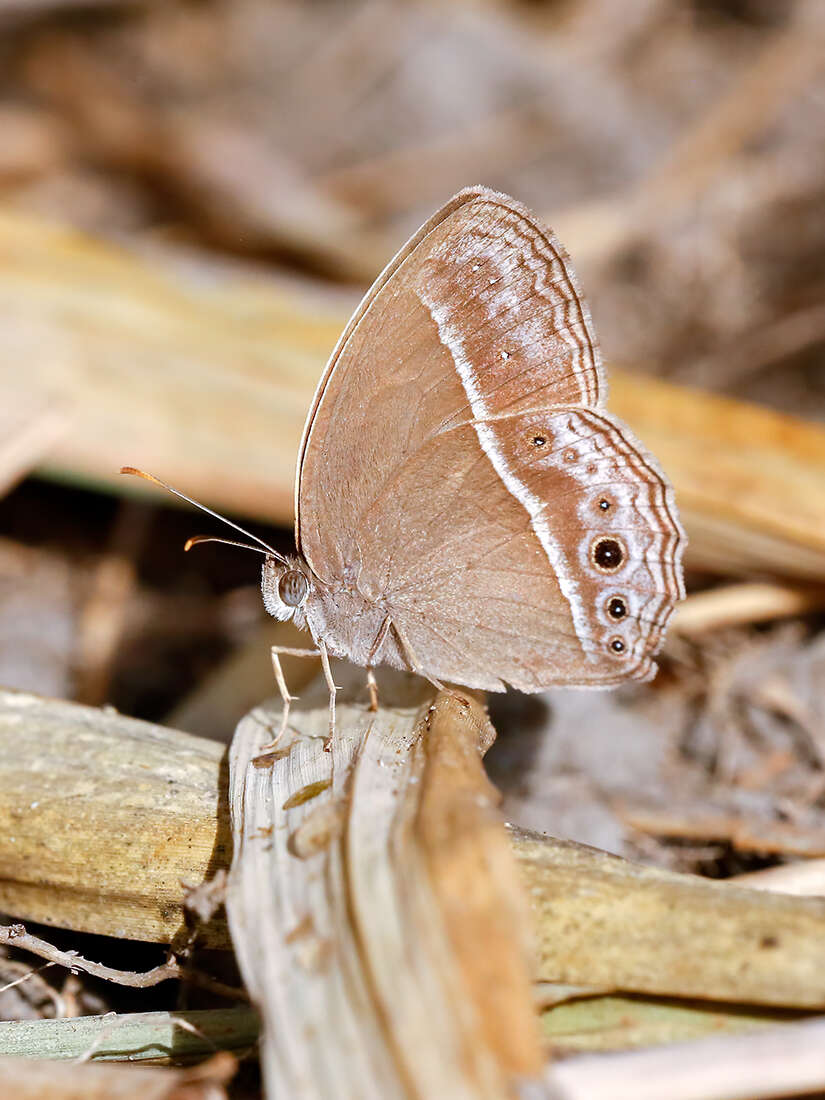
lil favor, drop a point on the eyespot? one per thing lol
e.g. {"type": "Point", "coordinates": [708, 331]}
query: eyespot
{"type": "Point", "coordinates": [617, 645]}
{"type": "Point", "coordinates": [539, 440]}
{"type": "Point", "coordinates": [607, 554]}
{"type": "Point", "coordinates": [616, 608]}
{"type": "Point", "coordinates": [293, 587]}
{"type": "Point", "coordinates": [604, 504]}
{"type": "Point", "coordinates": [570, 455]}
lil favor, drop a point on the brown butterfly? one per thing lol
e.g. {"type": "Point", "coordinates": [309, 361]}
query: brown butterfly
{"type": "Point", "coordinates": [465, 507]}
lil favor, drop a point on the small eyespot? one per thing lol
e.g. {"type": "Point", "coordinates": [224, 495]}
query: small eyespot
{"type": "Point", "coordinates": [617, 645]}
{"type": "Point", "coordinates": [505, 355]}
{"type": "Point", "coordinates": [607, 554]}
{"type": "Point", "coordinates": [604, 504]}
{"type": "Point", "coordinates": [616, 608]}
{"type": "Point", "coordinates": [539, 440]}
{"type": "Point", "coordinates": [570, 455]}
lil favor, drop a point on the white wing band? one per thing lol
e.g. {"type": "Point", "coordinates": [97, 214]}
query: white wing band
{"type": "Point", "coordinates": [535, 507]}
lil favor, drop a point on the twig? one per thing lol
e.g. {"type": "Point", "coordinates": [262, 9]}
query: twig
{"type": "Point", "coordinates": [15, 935]}
{"type": "Point", "coordinates": [38, 989]}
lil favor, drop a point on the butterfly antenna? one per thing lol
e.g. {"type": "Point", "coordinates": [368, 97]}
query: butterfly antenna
{"type": "Point", "coordinates": [196, 540]}
{"type": "Point", "coordinates": [209, 511]}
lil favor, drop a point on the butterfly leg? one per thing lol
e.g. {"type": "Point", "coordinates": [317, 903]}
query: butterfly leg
{"type": "Point", "coordinates": [376, 645]}
{"type": "Point", "coordinates": [372, 687]}
{"type": "Point", "coordinates": [276, 651]}
{"type": "Point", "coordinates": [412, 660]}
{"type": "Point", "coordinates": [332, 690]}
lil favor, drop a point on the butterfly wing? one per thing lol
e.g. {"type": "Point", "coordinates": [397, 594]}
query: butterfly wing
{"type": "Point", "coordinates": [456, 457]}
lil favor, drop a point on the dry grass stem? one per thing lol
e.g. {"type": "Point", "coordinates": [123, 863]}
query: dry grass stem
{"type": "Point", "coordinates": [743, 604]}
{"type": "Point", "coordinates": [603, 921]}
{"type": "Point", "coordinates": [82, 844]}
{"type": "Point", "coordinates": [44, 1079]}
{"type": "Point", "coordinates": [148, 1037]}
{"type": "Point", "coordinates": [29, 430]}
{"type": "Point", "coordinates": [780, 1062]}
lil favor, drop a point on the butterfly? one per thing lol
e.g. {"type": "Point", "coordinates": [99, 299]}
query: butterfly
{"type": "Point", "coordinates": [466, 508]}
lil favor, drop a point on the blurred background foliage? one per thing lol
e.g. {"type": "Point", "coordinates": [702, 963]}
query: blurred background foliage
{"type": "Point", "coordinates": [676, 145]}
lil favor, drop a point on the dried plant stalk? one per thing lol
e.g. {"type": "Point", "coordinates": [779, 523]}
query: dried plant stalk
{"type": "Point", "coordinates": [340, 911]}
{"type": "Point", "coordinates": [744, 603]}
{"type": "Point", "coordinates": [28, 431]}
{"type": "Point", "coordinates": [606, 922]}
{"type": "Point", "coordinates": [149, 1037]}
{"type": "Point", "coordinates": [750, 482]}
{"type": "Point", "coordinates": [158, 367]}
{"type": "Point", "coordinates": [104, 818]}
{"type": "Point", "coordinates": [777, 1062]}
{"type": "Point", "coordinates": [475, 876]}
{"type": "Point", "coordinates": [41, 1079]}
{"type": "Point", "coordinates": [622, 1022]}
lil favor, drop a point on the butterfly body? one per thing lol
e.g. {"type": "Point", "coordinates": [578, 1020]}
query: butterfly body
{"type": "Point", "coordinates": [342, 618]}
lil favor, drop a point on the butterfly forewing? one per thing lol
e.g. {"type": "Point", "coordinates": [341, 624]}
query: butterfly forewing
{"type": "Point", "coordinates": [457, 468]}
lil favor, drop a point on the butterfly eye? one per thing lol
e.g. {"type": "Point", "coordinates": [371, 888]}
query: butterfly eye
{"type": "Point", "coordinates": [617, 645]}
{"type": "Point", "coordinates": [293, 588]}
{"type": "Point", "coordinates": [616, 608]}
{"type": "Point", "coordinates": [607, 554]}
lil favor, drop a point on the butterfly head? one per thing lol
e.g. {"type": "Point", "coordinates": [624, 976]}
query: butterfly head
{"type": "Point", "coordinates": [285, 587]}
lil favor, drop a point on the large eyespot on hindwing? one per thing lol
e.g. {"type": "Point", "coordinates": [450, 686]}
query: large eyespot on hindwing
{"type": "Point", "coordinates": [608, 553]}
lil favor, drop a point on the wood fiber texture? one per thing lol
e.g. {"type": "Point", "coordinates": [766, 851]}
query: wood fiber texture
{"type": "Point", "coordinates": [104, 819]}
